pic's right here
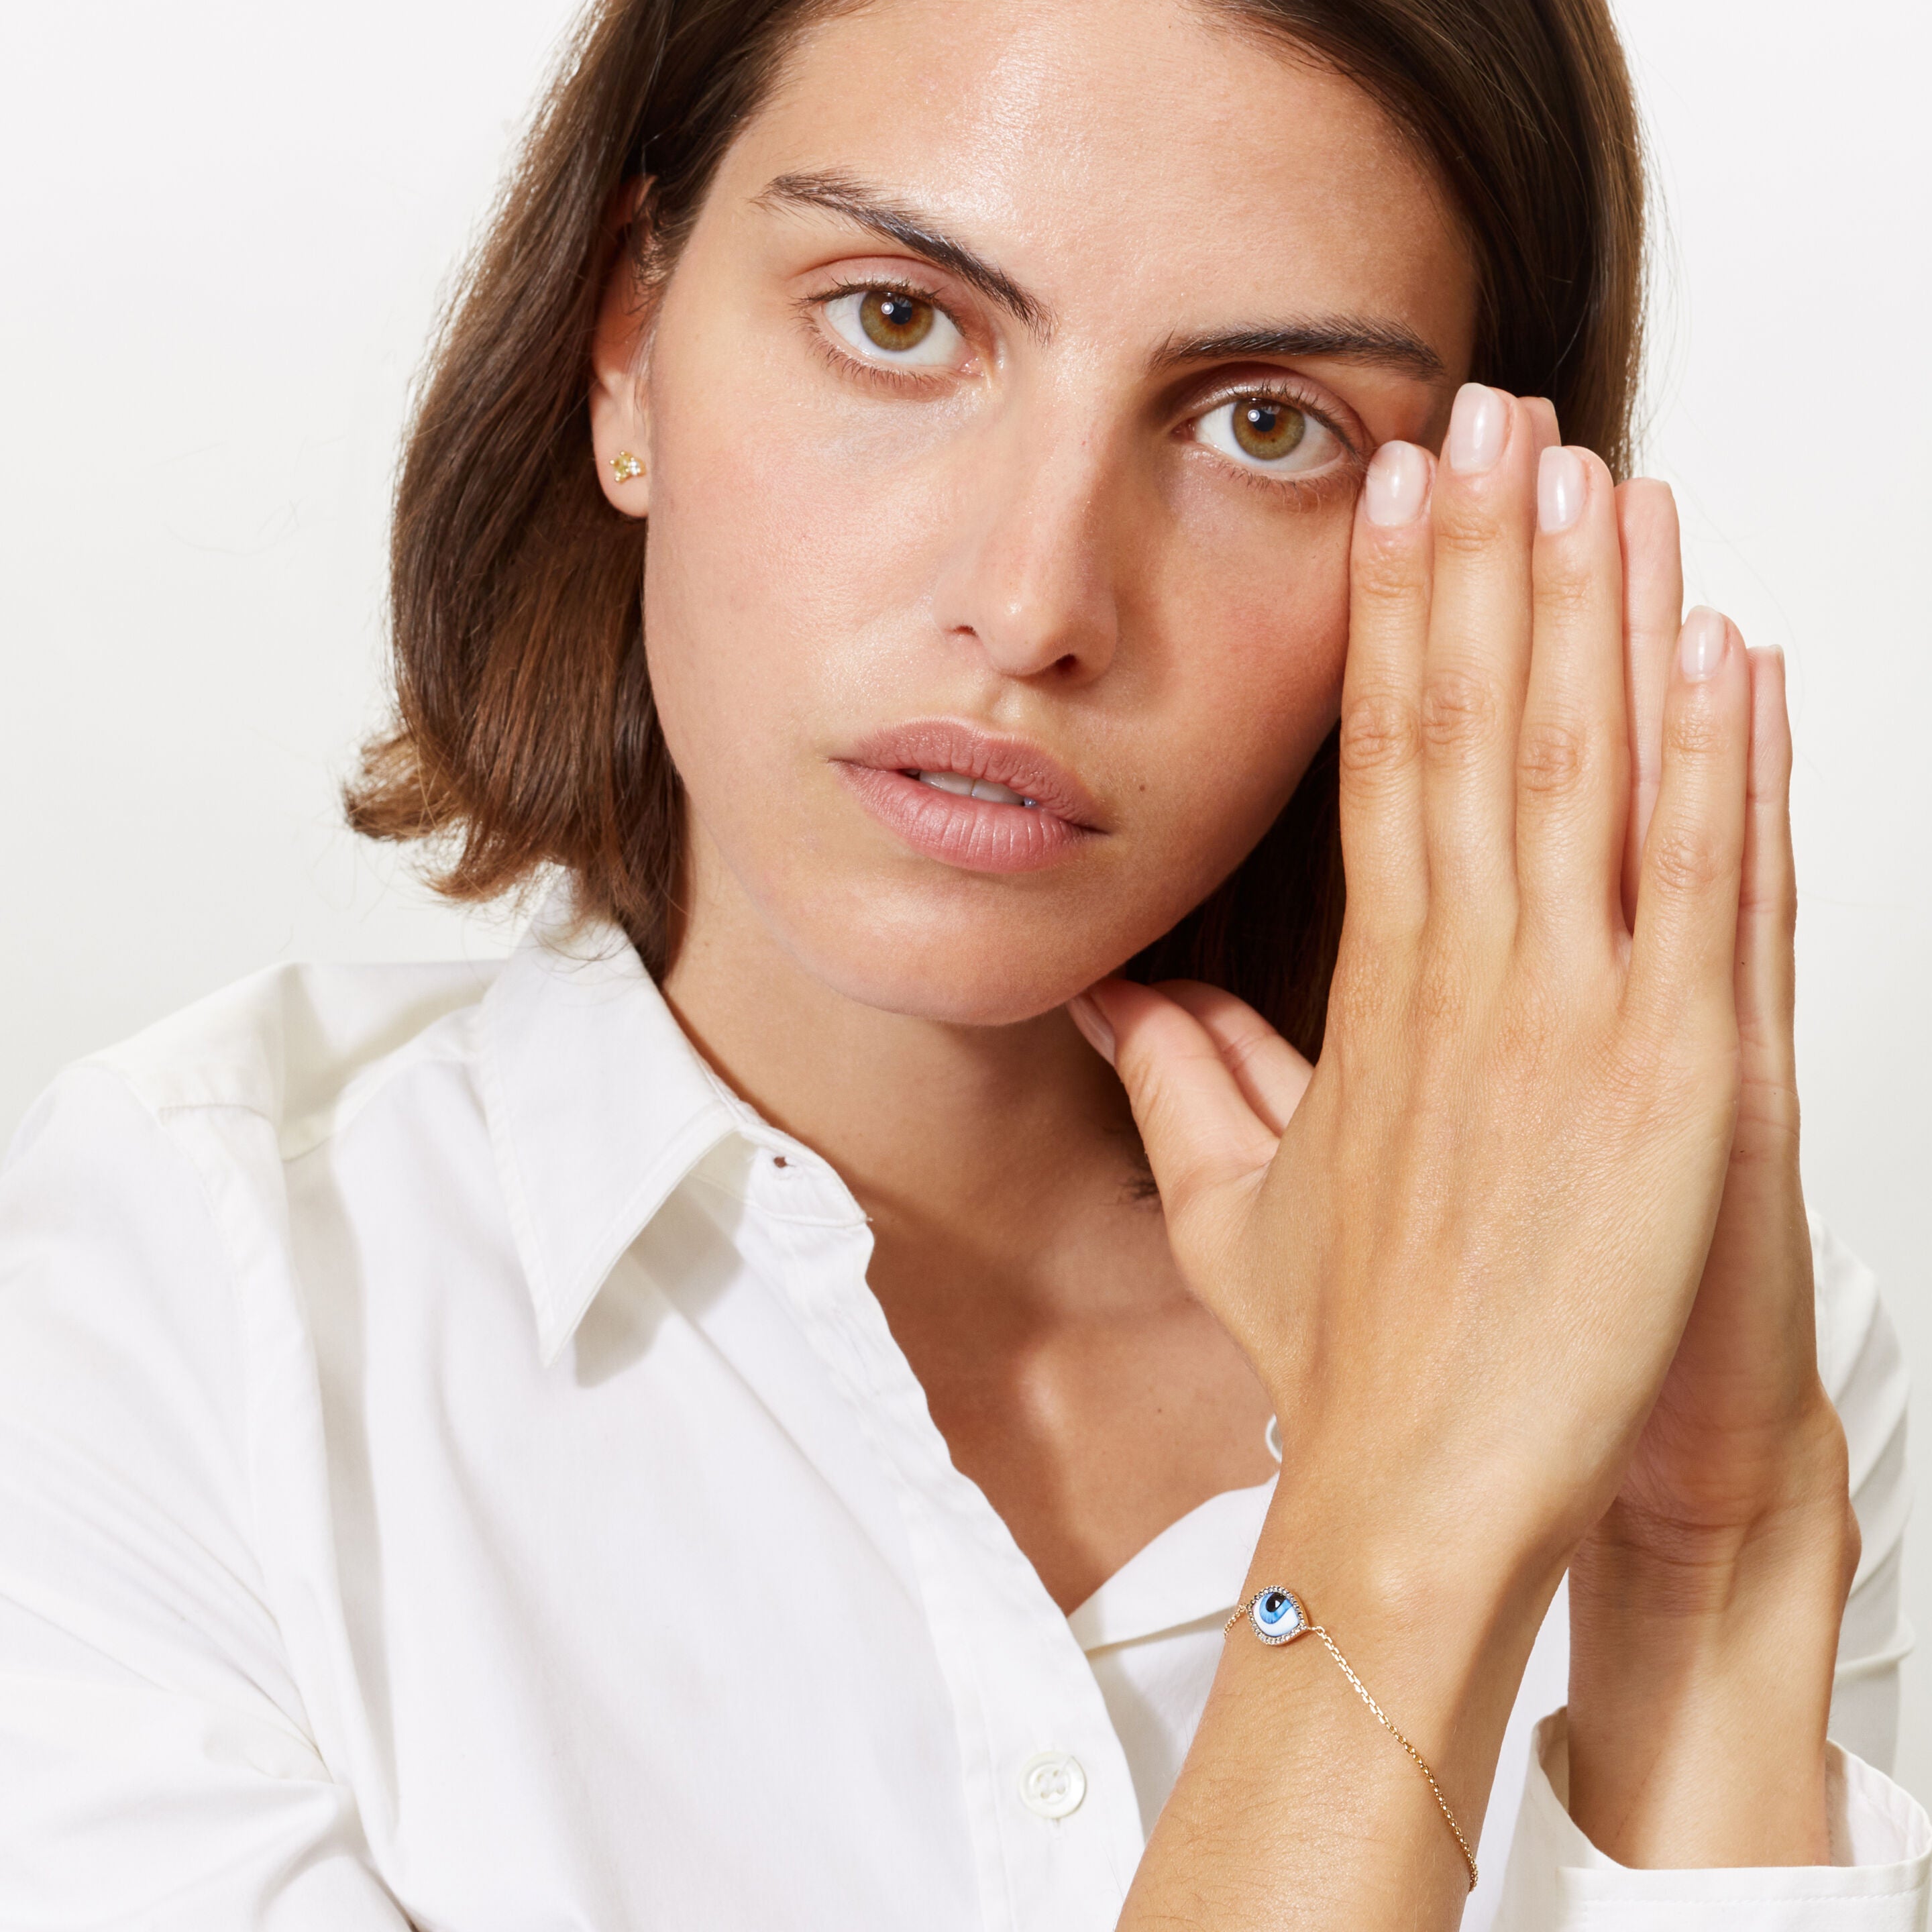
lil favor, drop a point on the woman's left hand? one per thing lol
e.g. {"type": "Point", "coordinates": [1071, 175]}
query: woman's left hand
{"type": "Point", "coordinates": [1705, 1605]}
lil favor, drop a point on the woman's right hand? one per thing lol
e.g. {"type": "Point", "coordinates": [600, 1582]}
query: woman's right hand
{"type": "Point", "coordinates": [1462, 1260]}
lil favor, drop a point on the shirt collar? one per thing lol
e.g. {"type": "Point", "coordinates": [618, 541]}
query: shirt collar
{"type": "Point", "coordinates": [598, 1106]}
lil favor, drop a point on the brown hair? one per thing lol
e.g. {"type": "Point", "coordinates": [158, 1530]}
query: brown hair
{"type": "Point", "coordinates": [525, 734]}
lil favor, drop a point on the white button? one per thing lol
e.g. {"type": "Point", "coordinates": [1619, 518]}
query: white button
{"type": "Point", "coordinates": [1052, 1784]}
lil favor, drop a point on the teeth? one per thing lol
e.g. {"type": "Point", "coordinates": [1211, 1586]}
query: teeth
{"type": "Point", "coordinates": [961, 786]}
{"type": "Point", "coordinates": [995, 794]}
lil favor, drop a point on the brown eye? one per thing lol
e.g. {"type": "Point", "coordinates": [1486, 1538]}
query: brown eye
{"type": "Point", "coordinates": [1266, 428]}
{"type": "Point", "coordinates": [1268, 435]}
{"type": "Point", "coordinates": [885, 327]}
{"type": "Point", "coordinates": [894, 320]}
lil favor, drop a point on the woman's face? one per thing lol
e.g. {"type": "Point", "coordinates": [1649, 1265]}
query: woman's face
{"type": "Point", "coordinates": [1003, 421]}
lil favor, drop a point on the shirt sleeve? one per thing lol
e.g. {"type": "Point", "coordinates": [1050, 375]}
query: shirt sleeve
{"type": "Point", "coordinates": [1559, 1882]}
{"type": "Point", "coordinates": [1864, 1371]}
{"type": "Point", "coordinates": [157, 1768]}
{"type": "Point", "coordinates": [1880, 1878]}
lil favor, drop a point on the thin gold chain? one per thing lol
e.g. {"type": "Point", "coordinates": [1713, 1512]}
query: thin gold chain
{"type": "Point", "coordinates": [1381, 1718]}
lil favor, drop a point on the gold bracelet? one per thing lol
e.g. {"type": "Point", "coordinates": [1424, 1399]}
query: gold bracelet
{"type": "Point", "coordinates": [1278, 1618]}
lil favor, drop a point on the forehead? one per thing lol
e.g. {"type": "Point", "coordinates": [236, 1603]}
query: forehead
{"type": "Point", "coordinates": [1154, 148]}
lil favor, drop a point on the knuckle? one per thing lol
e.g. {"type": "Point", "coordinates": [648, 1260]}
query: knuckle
{"type": "Point", "coordinates": [1553, 757]}
{"type": "Point", "coordinates": [1773, 910]}
{"type": "Point", "coordinates": [1162, 1123]}
{"type": "Point", "coordinates": [1370, 982]}
{"type": "Point", "coordinates": [1465, 532]}
{"type": "Point", "coordinates": [1686, 861]}
{"type": "Point", "coordinates": [1460, 709]}
{"type": "Point", "coordinates": [1354, 1005]}
{"type": "Point", "coordinates": [1695, 731]}
{"type": "Point", "coordinates": [1564, 596]}
{"type": "Point", "coordinates": [1548, 1025]}
{"type": "Point", "coordinates": [1379, 735]}
{"type": "Point", "coordinates": [1439, 997]}
{"type": "Point", "coordinates": [1388, 575]}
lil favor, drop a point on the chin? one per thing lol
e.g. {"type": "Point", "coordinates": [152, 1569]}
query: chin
{"type": "Point", "coordinates": [980, 963]}
{"type": "Point", "coordinates": [961, 999]}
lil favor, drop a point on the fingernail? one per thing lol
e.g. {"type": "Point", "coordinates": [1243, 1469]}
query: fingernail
{"type": "Point", "coordinates": [1700, 645]}
{"type": "Point", "coordinates": [1477, 424]}
{"type": "Point", "coordinates": [1088, 1017]}
{"type": "Point", "coordinates": [1397, 480]}
{"type": "Point", "coordinates": [1560, 487]}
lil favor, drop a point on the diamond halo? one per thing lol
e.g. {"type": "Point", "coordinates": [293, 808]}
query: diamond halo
{"type": "Point", "coordinates": [1277, 1616]}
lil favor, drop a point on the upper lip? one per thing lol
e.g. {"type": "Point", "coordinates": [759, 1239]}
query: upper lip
{"type": "Point", "coordinates": [944, 744]}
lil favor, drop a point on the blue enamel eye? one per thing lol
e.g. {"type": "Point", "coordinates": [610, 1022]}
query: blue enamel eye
{"type": "Point", "coordinates": [1278, 1617]}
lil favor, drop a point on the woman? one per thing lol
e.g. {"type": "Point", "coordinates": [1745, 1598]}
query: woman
{"type": "Point", "coordinates": [760, 1413]}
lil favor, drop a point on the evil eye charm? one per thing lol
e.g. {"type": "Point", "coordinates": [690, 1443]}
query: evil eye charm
{"type": "Point", "coordinates": [1277, 1616]}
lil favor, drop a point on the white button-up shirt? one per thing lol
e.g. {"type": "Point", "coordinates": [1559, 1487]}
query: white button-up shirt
{"type": "Point", "coordinates": [454, 1474]}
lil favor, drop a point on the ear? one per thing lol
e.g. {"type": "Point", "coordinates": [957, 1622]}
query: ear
{"type": "Point", "coordinates": [620, 422]}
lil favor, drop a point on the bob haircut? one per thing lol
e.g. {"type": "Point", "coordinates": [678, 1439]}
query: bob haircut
{"type": "Point", "coordinates": [525, 738]}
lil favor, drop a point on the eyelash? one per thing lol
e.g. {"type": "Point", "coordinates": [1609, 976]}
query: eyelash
{"type": "Point", "coordinates": [882, 375]}
{"type": "Point", "coordinates": [1299, 489]}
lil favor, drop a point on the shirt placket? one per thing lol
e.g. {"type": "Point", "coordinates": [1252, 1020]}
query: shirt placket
{"type": "Point", "coordinates": [1050, 1799]}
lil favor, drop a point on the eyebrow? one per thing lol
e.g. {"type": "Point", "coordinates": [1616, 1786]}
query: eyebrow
{"type": "Point", "coordinates": [917, 233]}
{"type": "Point", "coordinates": [1374, 344]}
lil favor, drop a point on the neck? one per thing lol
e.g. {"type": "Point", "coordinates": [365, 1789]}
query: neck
{"type": "Point", "coordinates": [1073, 1377]}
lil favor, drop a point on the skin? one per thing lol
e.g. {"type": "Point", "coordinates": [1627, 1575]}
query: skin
{"type": "Point", "coordinates": [1569, 926]}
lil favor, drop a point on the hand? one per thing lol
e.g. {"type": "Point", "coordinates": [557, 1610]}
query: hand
{"type": "Point", "coordinates": [1705, 1605]}
{"type": "Point", "coordinates": [1512, 1153]}
{"type": "Point", "coordinates": [1463, 1264]}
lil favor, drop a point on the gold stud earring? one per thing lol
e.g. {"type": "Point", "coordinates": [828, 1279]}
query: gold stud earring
{"type": "Point", "coordinates": [624, 466]}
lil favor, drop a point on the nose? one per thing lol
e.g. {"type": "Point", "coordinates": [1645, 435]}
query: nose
{"type": "Point", "coordinates": [1029, 574]}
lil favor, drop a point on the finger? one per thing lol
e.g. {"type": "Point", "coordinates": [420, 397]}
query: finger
{"type": "Point", "coordinates": [1653, 614]}
{"type": "Point", "coordinates": [1380, 740]}
{"type": "Point", "coordinates": [1200, 1132]}
{"type": "Point", "coordinates": [1684, 949]}
{"type": "Point", "coordinates": [1768, 907]}
{"type": "Point", "coordinates": [1543, 430]}
{"type": "Point", "coordinates": [1572, 779]}
{"type": "Point", "coordinates": [1272, 1076]}
{"type": "Point", "coordinates": [1478, 658]}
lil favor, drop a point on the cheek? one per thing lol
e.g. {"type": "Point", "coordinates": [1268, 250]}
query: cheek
{"type": "Point", "coordinates": [787, 554]}
{"type": "Point", "coordinates": [789, 508]}
{"type": "Point", "coordinates": [1254, 637]}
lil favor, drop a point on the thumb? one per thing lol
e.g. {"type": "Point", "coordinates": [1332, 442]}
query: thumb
{"type": "Point", "coordinates": [1272, 1076]}
{"type": "Point", "coordinates": [1201, 1134]}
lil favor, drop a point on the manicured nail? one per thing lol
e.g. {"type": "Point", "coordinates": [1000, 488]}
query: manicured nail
{"type": "Point", "coordinates": [1701, 644]}
{"type": "Point", "coordinates": [1398, 480]}
{"type": "Point", "coordinates": [1560, 488]}
{"type": "Point", "coordinates": [1477, 425]}
{"type": "Point", "coordinates": [1088, 1017]}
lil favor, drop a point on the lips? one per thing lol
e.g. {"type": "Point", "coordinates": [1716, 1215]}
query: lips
{"type": "Point", "coordinates": [968, 799]}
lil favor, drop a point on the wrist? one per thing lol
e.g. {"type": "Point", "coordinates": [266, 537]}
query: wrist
{"type": "Point", "coordinates": [1712, 1571]}
{"type": "Point", "coordinates": [1438, 1619]}
{"type": "Point", "coordinates": [1290, 1775]}
{"type": "Point", "coordinates": [1702, 1655]}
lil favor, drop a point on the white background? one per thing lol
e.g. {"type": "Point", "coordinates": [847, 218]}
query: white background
{"type": "Point", "coordinates": [224, 226]}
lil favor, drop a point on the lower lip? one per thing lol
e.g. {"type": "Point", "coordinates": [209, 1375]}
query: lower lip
{"type": "Point", "coordinates": [975, 834]}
